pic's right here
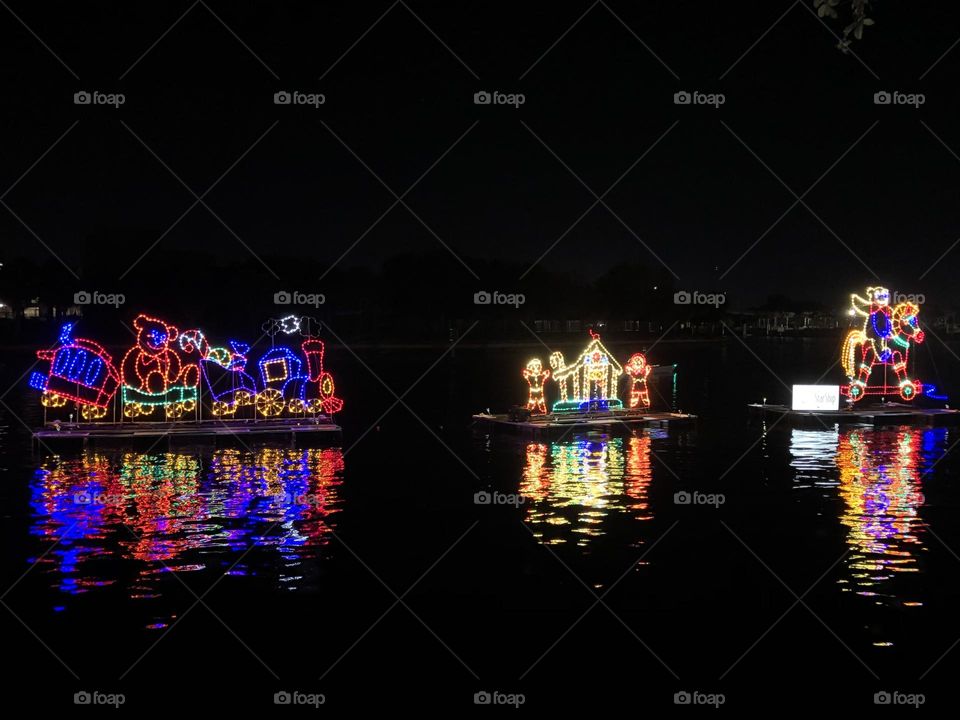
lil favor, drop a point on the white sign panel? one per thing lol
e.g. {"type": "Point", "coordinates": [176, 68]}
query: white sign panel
{"type": "Point", "coordinates": [816, 397]}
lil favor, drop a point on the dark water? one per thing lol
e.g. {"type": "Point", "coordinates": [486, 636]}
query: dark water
{"type": "Point", "coordinates": [817, 568]}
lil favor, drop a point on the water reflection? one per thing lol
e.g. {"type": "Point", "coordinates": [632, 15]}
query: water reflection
{"type": "Point", "coordinates": [814, 454]}
{"type": "Point", "coordinates": [571, 487]}
{"type": "Point", "coordinates": [170, 511]}
{"type": "Point", "coordinates": [878, 475]}
{"type": "Point", "coordinates": [880, 487]}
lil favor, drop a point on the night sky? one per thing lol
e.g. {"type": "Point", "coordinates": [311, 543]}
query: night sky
{"type": "Point", "coordinates": [291, 188]}
{"type": "Point", "coordinates": [399, 198]}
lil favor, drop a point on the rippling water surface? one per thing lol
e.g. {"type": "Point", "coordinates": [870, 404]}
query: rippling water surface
{"type": "Point", "coordinates": [134, 518]}
{"type": "Point", "coordinates": [377, 557]}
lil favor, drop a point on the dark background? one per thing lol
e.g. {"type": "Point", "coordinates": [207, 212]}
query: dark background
{"type": "Point", "coordinates": [299, 199]}
{"type": "Point", "coordinates": [599, 99]}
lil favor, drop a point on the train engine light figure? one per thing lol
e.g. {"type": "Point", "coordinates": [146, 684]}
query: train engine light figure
{"type": "Point", "coordinates": [637, 369]}
{"type": "Point", "coordinates": [535, 376]}
{"type": "Point", "coordinates": [319, 394]}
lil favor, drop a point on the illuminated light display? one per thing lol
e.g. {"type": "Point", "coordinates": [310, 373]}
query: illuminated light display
{"type": "Point", "coordinates": [591, 383]}
{"type": "Point", "coordinates": [194, 341]}
{"type": "Point", "coordinates": [294, 383]}
{"type": "Point", "coordinates": [290, 324]}
{"type": "Point", "coordinates": [224, 370]}
{"type": "Point", "coordinates": [81, 371]}
{"type": "Point", "coordinates": [637, 370]}
{"type": "Point", "coordinates": [282, 378]}
{"type": "Point", "coordinates": [319, 387]}
{"type": "Point", "coordinates": [594, 378]}
{"type": "Point", "coordinates": [153, 372]}
{"type": "Point", "coordinates": [535, 376]}
{"type": "Point", "coordinates": [285, 385]}
{"type": "Point", "coordinates": [164, 367]}
{"type": "Point", "coordinates": [883, 340]}
{"type": "Point", "coordinates": [558, 365]}
{"type": "Point", "coordinates": [275, 370]}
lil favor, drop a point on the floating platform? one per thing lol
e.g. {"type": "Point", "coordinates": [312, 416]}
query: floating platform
{"type": "Point", "coordinates": [240, 431]}
{"type": "Point", "coordinates": [610, 421]}
{"type": "Point", "coordinates": [886, 414]}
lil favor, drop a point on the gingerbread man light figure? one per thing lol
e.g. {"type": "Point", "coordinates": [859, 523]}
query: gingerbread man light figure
{"type": "Point", "coordinates": [638, 370]}
{"type": "Point", "coordinates": [535, 376]}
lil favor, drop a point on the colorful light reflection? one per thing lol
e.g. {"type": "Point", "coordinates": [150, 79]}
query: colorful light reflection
{"type": "Point", "coordinates": [877, 474]}
{"type": "Point", "coordinates": [127, 517]}
{"type": "Point", "coordinates": [880, 486]}
{"type": "Point", "coordinates": [570, 488]}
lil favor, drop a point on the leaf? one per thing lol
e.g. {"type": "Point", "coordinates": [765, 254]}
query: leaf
{"type": "Point", "coordinates": [867, 21]}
